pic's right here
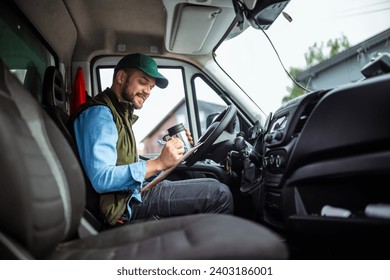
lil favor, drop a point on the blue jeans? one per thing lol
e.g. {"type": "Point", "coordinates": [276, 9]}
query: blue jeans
{"type": "Point", "coordinates": [176, 198]}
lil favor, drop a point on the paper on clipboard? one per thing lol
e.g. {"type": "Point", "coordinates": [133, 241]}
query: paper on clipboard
{"type": "Point", "coordinates": [165, 173]}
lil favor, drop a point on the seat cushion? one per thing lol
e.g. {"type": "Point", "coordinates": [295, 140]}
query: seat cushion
{"type": "Point", "coordinates": [203, 236]}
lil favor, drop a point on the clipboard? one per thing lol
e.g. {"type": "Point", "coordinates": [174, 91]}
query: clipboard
{"type": "Point", "coordinates": [166, 172]}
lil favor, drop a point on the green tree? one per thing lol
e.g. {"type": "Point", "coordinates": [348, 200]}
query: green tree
{"type": "Point", "coordinates": [294, 90]}
{"type": "Point", "coordinates": [315, 55]}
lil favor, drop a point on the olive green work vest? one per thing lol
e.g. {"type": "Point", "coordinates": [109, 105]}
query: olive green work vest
{"type": "Point", "coordinates": [112, 205]}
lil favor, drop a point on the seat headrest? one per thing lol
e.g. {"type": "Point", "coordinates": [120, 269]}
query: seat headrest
{"type": "Point", "coordinates": [53, 89]}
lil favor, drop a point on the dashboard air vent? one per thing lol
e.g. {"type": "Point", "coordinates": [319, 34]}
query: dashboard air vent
{"type": "Point", "coordinates": [304, 116]}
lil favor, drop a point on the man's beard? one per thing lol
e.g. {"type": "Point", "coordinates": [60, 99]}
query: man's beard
{"type": "Point", "coordinates": [126, 98]}
{"type": "Point", "coordinates": [124, 94]}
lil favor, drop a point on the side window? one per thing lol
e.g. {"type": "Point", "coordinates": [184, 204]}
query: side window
{"type": "Point", "coordinates": [163, 109]}
{"type": "Point", "coordinates": [208, 102]}
{"type": "Point", "coordinates": [22, 51]}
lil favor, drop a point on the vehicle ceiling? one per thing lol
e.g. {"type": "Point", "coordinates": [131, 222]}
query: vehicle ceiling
{"type": "Point", "coordinates": [80, 30]}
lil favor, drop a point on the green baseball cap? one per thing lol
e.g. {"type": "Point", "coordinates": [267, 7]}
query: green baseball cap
{"type": "Point", "coordinates": [144, 63]}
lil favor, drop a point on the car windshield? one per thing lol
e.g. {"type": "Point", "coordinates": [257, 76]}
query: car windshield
{"type": "Point", "coordinates": [352, 33]}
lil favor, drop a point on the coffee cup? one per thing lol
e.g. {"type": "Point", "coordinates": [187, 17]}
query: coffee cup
{"type": "Point", "coordinates": [178, 131]}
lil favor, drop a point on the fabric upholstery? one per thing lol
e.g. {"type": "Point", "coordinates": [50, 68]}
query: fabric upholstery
{"type": "Point", "coordinates": [44, 205]}
{"type": "Point", "coordinates": [215, 236]}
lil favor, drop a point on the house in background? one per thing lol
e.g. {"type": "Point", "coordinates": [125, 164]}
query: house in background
{"type": "Point", "coordinates": [345, 67]}
{"type": "Point", "coordinates": [177, 115]}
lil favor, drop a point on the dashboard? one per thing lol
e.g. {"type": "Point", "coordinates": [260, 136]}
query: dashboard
{"type": "Point", "coordinates": [328, 150]}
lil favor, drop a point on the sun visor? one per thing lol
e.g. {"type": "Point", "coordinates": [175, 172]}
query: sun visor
{"type": "Point", "coordinates": [196, 29]}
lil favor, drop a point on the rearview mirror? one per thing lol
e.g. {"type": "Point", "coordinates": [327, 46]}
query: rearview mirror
{"type": "Point", "coordinates": [263, 13]}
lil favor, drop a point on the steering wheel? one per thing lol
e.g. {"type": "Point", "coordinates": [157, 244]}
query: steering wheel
{"type": "Point", "coordinates": [216, 128]}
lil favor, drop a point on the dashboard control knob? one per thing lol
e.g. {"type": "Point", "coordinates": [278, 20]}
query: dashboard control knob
{"type": "Point", "coordinates": [279, 161]}
{"type": "Point", "coordinates": [265, 162]}
{"type": "Point", "coordinates": [278, 135]}
{"type": "Point", "coordinates": [271, 159]}
{"type": "Point", "coordinates": [268, 138]}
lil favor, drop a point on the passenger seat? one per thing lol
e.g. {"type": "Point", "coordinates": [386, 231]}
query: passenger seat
{"type": "Point", "coordinates": [42, 199]}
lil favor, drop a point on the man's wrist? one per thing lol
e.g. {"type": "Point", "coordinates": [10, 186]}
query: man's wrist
{"type": "Point", "coordinates": [153, 166]}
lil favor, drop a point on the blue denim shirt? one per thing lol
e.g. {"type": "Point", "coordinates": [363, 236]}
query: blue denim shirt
{"type": "Point", "coordinates": [96, 136]}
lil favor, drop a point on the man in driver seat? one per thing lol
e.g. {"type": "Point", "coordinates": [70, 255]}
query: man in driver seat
{"type": "Point", "coordinates": [103, 131]}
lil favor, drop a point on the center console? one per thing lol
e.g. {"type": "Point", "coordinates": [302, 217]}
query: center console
{"type": "Point", "coordinates": [282, 134]}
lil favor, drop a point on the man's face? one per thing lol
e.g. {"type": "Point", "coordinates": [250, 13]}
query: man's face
{"type": "Point", "coordinates": [137, 87]}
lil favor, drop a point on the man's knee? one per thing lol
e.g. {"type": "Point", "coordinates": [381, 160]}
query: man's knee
{"type": "Point", "coordinates": [223, 198]}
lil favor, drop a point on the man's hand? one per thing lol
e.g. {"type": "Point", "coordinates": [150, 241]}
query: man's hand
{"type": "Point", "coordinates": [170, 154]}
{"type": "Point", "coordinates": [189, 136]}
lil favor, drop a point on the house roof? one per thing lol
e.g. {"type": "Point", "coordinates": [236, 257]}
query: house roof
{"type": "Point", "coordinates": [344, 55]}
